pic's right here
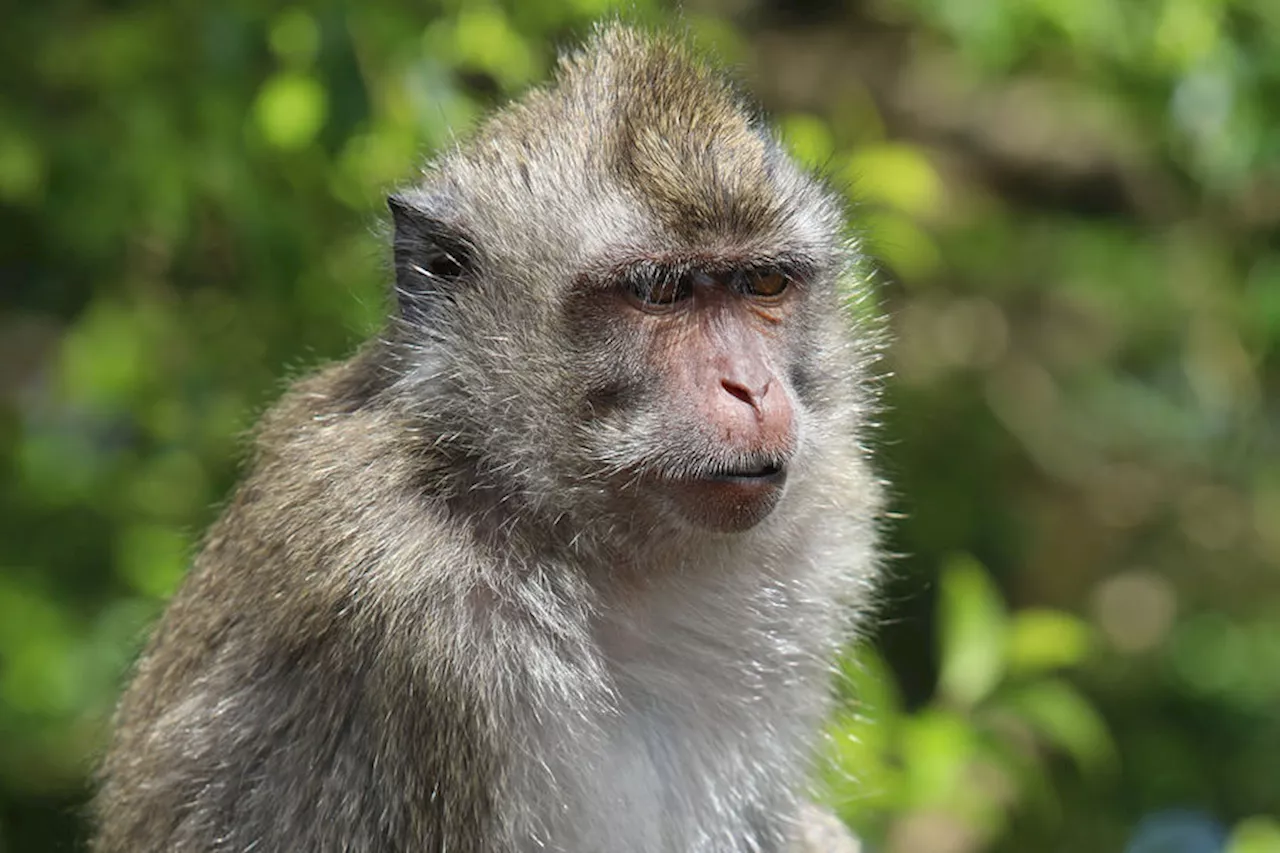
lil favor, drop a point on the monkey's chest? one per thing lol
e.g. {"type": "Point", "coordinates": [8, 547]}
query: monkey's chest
{"type": "Point", "coordinates": [699, 750]}
{"type": "Point", "coordinates": [649, 781]}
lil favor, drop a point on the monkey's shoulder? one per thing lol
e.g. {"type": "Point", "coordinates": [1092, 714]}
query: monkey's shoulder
{"type": "Point", "coordinates": [337, 494]}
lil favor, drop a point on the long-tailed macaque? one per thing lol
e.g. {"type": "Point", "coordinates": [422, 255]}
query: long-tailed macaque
{"type": "Point", "coordinates": [561, 560]}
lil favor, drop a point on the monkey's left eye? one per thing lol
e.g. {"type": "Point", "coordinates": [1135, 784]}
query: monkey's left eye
{"type": "Point", "coordinates": [661, 292]}
{"type": "Point", "coordinates": [765, 283]}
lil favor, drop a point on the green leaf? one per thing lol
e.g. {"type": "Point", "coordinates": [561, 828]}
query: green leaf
{"type": "Point", "coordinates": [37, 666]}
{"type": "Point", "coordinates": [973, 627]}
{"type": "Point", "coordinates": [1255, 835]}
{"type": "Point", "coordinates": [808, 138]}
{"type": "Point", "coordinates": [152, 558]}
{"type": "Point", "coordinates": [483, 38]}
{"type": "Point", "coordinates": [170, 485]}
{"type": "Point", "coordinates": [105, 357]}
{"type": "Point", "coordinates": [1043, 640]}
{"type": "Point", "coordinates": [1188, 31]}
{"type": "Point", "coordinates": [294, 37]}
{"type": "Point", "coordinates": [22, 167]}
{"type": "Point", "coordinates": [897, 176]}
{"type": "Point", "coordinates": [1059, 713]}
{"type": "Point", "coordinates": [900, 243]}
{"type": "Point", "coordinates": [290, 110]}
{"type": "Point", "coordinates": [937, 748]}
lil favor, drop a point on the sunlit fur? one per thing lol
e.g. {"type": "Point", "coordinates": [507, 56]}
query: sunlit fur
{"type": "Point", "coordinates": [443, 611]}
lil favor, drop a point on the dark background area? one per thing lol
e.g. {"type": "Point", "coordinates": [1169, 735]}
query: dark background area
{"type": "Point", "coordinates": [1074, 206]}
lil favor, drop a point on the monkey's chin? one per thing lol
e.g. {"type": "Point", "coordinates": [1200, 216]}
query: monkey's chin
{"type": "Point", "coordinates": [728, 503]}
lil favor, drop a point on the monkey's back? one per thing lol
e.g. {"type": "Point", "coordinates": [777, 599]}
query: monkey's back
{"type": "Point", "coordinates": [255, 717]}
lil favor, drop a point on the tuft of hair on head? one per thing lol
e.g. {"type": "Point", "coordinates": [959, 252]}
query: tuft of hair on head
{"type": "Point", "coordinates": [682, 136]}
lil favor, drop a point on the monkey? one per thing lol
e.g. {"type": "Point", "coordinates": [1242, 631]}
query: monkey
{"type": "Point", "coordinates": [561, 558]}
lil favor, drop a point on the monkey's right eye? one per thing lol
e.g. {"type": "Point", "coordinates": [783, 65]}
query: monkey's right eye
{"type": "Point", "coordinates": [442, 263]}
{"type": "Point", "coordinates": [660, 292]}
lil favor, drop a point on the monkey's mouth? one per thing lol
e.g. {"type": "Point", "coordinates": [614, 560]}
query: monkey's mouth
{"type": "Point", "coordinates": [764, 473]}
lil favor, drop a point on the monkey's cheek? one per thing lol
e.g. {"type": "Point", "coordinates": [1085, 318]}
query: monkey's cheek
{"type": "Point", "coordinates": [726, 506]}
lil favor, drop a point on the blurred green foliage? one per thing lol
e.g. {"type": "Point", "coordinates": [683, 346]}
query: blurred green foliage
{"type": "Point", "coordinates": [1076, 205]}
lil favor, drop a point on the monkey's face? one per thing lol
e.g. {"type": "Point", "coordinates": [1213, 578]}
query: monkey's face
{"type": "Point", "coordinates": [688, 401]}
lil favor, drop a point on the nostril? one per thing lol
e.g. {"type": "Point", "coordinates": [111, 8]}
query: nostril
{"type": "Point", "coordinates": [739, 391]}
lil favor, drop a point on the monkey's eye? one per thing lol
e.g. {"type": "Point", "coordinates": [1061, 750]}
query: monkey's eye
{"type": "Point", "coordinates": [767, 284]}
{"type": "Point", "coordinates": [443, 263]}
{"type": "Point", "coordinates": [661, 291]}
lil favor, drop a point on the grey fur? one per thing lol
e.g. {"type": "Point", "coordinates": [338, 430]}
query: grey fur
{"type": "Point", "coordinates": [441, 613]}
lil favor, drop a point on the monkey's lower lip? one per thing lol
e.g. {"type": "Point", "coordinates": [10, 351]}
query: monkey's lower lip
{"type": "Point", "coordinates": [731, 500]}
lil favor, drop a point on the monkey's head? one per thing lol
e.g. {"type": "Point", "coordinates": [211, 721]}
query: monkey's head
{"type": "Point", "coordinates": [622, 295]}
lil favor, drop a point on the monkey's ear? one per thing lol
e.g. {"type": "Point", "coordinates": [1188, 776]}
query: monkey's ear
{"type": "Point", "coordinates": [431, 257]}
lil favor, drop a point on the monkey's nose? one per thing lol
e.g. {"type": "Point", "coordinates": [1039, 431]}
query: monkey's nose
{"type": "Point", "coordinates": [752, 416]}
{"type": "Point", "coordinates": [752, 397]}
